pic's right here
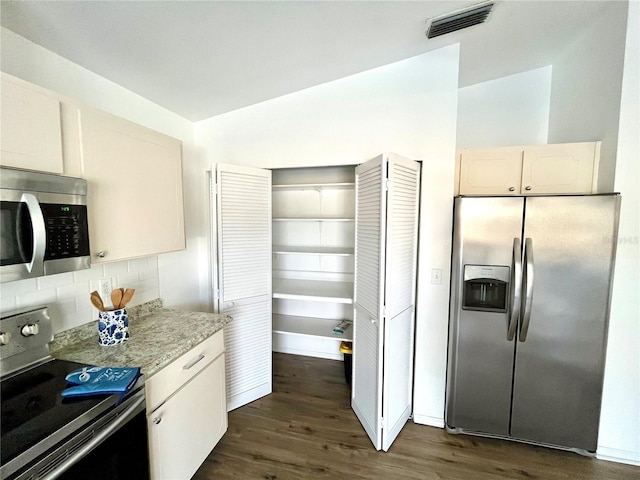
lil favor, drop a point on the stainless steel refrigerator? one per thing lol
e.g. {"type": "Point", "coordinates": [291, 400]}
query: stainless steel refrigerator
{"type": "Point", "coordinates": [531, 283]}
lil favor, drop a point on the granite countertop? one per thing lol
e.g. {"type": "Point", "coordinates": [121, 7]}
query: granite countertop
{"type": "Point", "coordinates": [158, 336]}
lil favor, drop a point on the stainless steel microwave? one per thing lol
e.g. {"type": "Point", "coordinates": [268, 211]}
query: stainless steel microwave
{"type": "Point", "coordinates": [43, 224]}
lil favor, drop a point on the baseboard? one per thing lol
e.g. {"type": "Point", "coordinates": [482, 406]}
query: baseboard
{"type": "Point", "coordinates": [307, 353]}
{"type": "Point", "coordinates": [428, 420]}
{"type": "Point", "coordinates": [618, 456]}
{"type": "Point", "coordinates": [306, 345]}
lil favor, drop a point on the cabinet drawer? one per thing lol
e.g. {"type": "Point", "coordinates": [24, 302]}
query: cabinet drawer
{"type": "Point", "coordinates": [168, 380]}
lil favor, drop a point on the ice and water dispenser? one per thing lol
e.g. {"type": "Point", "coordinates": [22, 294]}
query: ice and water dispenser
{"type": "Point", "coordinates": [486, 288]}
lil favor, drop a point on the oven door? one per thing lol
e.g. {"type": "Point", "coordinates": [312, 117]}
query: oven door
{"type": "Point", "coordinates": [113, 447]}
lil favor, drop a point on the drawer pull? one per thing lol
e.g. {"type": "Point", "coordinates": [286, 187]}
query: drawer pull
{"type": "Point", "coordinates": [157, 420]}
{"type": "Point", "coordinates": [193, 362]}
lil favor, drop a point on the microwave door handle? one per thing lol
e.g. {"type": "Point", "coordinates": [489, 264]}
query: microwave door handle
{"type": "Point", "coordinates": [528, 299]}
{"type": "Point", "coordinates": [516, 289]}
{"type": "Point", "coordinates": [36, 266]}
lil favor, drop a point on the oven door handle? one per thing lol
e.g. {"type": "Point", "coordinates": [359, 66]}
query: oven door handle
{"type": "Point", "coordinates": [36, 266]}
{"type": "Point", "coordinates": [124, 417]}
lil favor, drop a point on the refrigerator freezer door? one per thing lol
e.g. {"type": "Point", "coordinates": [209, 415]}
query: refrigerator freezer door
{"type": "Point", "coordinates": [559, 365]}
{"type": "Point", "coordinates": [480, 354]}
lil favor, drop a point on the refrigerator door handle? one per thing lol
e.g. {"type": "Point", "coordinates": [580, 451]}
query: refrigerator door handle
{"type": "Point", "coordinates": [516, 289]}
{"type": "Point", "coordinates": [528, 279]}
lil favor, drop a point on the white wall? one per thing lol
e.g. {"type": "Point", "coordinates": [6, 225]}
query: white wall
{"type": "Point", "coordinates": [511, 110]}
{"type": "Point", "coordinates": [178, 277]}
{"type": "Point", "coordinates": [585, 90]}
{"type": "Point", "coordinates": [620, 420]}
{"type": "Point", "coordinates": [409, 108]}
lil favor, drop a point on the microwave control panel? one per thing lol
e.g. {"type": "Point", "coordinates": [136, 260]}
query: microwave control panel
{"type": "Point", "coordinates": [67, 230]}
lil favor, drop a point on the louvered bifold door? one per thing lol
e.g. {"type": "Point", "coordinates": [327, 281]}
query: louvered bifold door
{"type": "Point", "coordinates": [400, 292]}
{"type": "Point", "coordinates": [366, 396]}
{"type": "Point", "coordinates": [243, 207]}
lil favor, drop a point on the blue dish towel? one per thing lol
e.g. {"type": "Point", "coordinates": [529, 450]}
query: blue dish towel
{"type": "Point", "coordinates": [90, 380]}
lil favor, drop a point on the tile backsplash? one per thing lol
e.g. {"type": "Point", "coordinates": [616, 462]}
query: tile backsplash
{"type": "Point", "coordinates": [67, 294]}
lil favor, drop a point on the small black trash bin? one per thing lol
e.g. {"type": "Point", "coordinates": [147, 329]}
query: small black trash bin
{"type": "Point", "coordinates": [347, 350]}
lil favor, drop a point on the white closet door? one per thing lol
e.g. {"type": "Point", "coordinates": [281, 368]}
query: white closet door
{"type": "Point", "coordinates": [368, 318]}
{"type": "Point", "coordinates": [387, 190]}
{"type": "Point", "coordinates": [243, 209]}
{"type": "Point", "coordinates": [400, 293]}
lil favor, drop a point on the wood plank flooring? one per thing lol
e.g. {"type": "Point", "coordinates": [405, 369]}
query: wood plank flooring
{"type": "Point", "coordinates": [306, 429]}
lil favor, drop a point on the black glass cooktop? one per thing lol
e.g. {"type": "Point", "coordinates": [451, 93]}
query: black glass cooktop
{"type": "Point", "coordinates": [33, 409]}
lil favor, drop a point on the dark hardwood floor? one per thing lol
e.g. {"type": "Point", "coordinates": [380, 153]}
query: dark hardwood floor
{"type": "Point", "coordinates": [306, 429]}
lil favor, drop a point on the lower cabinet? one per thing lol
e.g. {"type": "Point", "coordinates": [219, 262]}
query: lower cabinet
{"type": "Point", "coordinates": [186, 426]}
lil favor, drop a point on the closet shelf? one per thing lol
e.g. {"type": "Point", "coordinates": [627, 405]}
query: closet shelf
{"type": "Point", "coordinates": [313, 290]}
{"type": "Point", "coordinates": [315, 327]}
{"type": "Point", "coordinates": [312, 250]}
{"type": "Point", "coordinates": [315, 186]}
{"type": "Point", "coordinates": [313, 219]}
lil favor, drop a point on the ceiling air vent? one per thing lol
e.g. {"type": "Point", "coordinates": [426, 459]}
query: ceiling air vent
{"type": "Point", "coordinates": [459, 19]}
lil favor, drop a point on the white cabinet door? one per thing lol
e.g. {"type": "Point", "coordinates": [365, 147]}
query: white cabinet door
{"type": "Point", "coordinates": [565, 168]}
{"type": "Point", "coordinates": [30, 128]}
{"type": "Point", "coordinates": [243, 209]}
{"type": "Point", "coordinates": [490, 171]}
{"type": "Point", "coordinates": [184, 429]}
{"type": "Point", "coordinates": [387, 192]}
{"type": "Point", "coordinates": [134, 177]}
{"type": "Point", "coordinates": [558, 169]}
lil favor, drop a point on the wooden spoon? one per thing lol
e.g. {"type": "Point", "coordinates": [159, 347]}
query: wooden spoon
{"type": "Point", "coordinates": [97, 301]}
{"type": "Point", "coordinates": [116, 298]}
{"type": "Point", "coordinates": [126, 298]}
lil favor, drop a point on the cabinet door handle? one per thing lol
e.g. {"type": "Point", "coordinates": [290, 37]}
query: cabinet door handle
{"type": "Point", "coordinates": [193, 362]}
{"type": "Point", "coordinates": [157, 420]}
{"type": "Point", "coordinates": [527, 188]}
{"type": "Point", "coordinates": [512, 189]}
{"type": "Point", "coordinates": [101, 254]}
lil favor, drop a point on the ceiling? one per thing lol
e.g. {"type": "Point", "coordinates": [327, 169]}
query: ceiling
{"type": "Point", "coordinates": [204, 58]}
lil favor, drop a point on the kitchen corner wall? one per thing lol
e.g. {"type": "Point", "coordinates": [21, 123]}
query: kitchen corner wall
{"type": "Point", "coordinates": [585, 91]}
{"type": "Point", "coordinates": [619, 437]}
{"type": "Point", "coordinates": [181, 279]}
{"type": "Point", "coordinates": [511, 110]}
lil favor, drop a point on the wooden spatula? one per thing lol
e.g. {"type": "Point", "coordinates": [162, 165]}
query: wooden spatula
{"type": "Point", "coordinates": [116, 298]}
{"type": "Point", "coordinates": [126, 297]}
{"type": "Point", "coordinates": [97, 301]}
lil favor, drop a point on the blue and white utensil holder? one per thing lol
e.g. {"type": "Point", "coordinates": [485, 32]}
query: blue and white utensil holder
{"type": "Point", "coordinates": [113, 327]}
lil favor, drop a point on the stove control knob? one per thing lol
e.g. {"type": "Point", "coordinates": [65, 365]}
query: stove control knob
{"type": "Point", "coordinates": [30, 330]}
{"type": "Point", "coordinates": [5, 338]}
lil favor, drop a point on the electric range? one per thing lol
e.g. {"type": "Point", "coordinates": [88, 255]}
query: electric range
{"type": "Point", "coordinates": [44, 435]}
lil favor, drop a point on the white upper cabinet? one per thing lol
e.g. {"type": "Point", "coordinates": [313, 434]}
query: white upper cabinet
{"type": "Point", "coordinates": [560, 168]}
{"type": "Point", "coordinates": [135, 198]}
{"type": "Point", "coordinates": [565, 168]}
{"type": "Point", "coordinates": [496, 171]}
{"type": "Point", "coordinates": [30, 127]}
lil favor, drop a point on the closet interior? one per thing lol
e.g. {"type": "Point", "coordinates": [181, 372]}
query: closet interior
{"type": "Point", "coordinates": [313, 221]}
